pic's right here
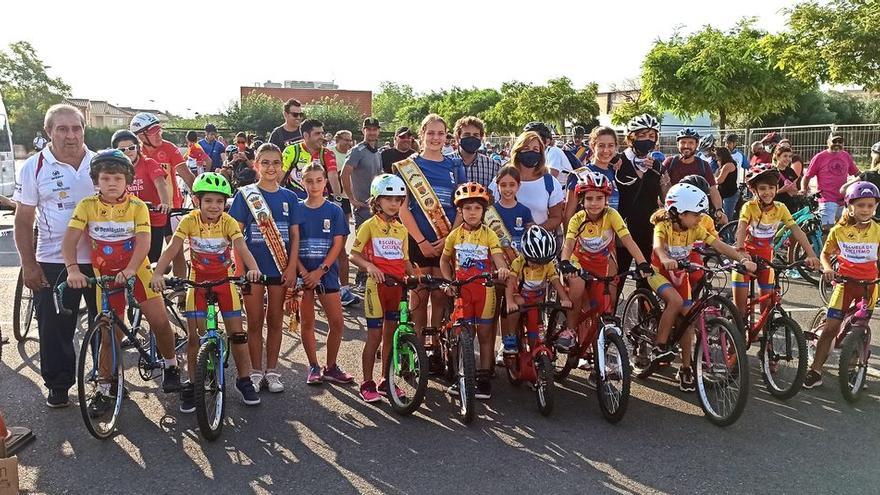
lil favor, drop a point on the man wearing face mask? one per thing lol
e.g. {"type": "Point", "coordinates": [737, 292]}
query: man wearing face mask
{"type": "Point", "coordinates": [557, 162]}
{"type": "Point", "coordinates": [469, 132]}
{"type": "Point", "coordinates": [686, 163]}
{"type": "Point", "coordinates": [831, 168]}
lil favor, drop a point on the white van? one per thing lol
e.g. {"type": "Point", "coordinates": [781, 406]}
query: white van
{"type": "Point", "coordinates": [7, 160]}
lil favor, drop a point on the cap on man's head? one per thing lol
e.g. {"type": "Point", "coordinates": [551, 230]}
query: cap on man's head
{"type": "Point", "coordinates": [371, 122]}
{"type": "Point", "coordinates": [210, 128]}
{"type": "Point", "coordinates": [403, 131]}
{"type": "Point", "coordinates": [835, 135]}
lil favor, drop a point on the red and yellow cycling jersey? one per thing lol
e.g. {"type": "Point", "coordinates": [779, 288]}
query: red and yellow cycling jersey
{"type": "Point", "coordinates": [679, 244]}
{"type": "Point", "coordinates": [856, 249]}
{"type": "Point", "coordinates": [210, 244]}
{"type": "Point", "coordinates": [594, 241]}
{"type": "Point", "coordinates": [763, 225]}
{"type": "Point", "coordinates": [112, 229]}
{"type": "Point", "coordinates": [708, 224]}
{"type": "Point", "coordinates": [532, 279]}
{"type": "Point", "coordinates": [472, 250]}
{"type": "Point", "coordinates": [383, 244]}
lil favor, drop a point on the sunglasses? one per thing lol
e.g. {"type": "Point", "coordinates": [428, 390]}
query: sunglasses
{"type": "Point", "coordinates": [837, 141]}
{"type": "Point", "coordinates": [296, 114]}
{"type": "Point", "coordinates": [152, 131]}
{"type": "Point", "coordinates": [128, 148]}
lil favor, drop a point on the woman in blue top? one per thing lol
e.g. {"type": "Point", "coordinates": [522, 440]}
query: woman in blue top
{"type": "Point", "coordinates": [286, 210]}
{"type": "Point", "coordinates": [444, 174]}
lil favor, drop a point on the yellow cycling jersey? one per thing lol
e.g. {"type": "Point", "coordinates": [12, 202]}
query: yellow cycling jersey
{"type": "Point", "coordinates": [763, 225]}
{"type": "Point", "coordinates": [210, 243]}
{"type": "Point", "coordinates": [679, 244]}
{"type": "Point", "coordinates": [384, 244]}
{"type": "Point", "coordinates": [110, 223]}
{"type": "Point", "coordinates": [595, 238]}
{"type": "Point", "coordinates": [530, 278]}
{"type": "Point", "coordinates": [856, 249]}
{"type": "Point", "coordinates": [472, 248]}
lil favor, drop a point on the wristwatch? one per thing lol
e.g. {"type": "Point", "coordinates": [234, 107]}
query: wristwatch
{"type": "Point", "coordinates": [324, 268]}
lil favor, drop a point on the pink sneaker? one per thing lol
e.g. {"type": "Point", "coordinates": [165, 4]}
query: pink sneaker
{"type": "Point", "coordinates": [383, 389]}
{"type": "Point", "coordinates": [369, 393]}
{"type": "Point", "coordinates": [337, 375]}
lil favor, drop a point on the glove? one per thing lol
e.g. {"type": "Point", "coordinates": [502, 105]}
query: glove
{"type": "Point", "coordinates": [567, 268]}
{"type": "Point", "coordinates": [645, 268]}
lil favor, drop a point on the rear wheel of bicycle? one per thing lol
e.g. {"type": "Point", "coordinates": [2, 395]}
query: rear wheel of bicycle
{"type": "Point", "coordinates": [613, 388]}
{"type": "Point", "coordinates": [814, 235]}
{"type": "Point", "coordinates": [783, 357]}
{"type": "Point", "coordinates": [209, 391]}
{"type": "Point", "coordinates": [640, 319]}
{"type": "Point", "coordinates": [465, 374]}
{"type": "Point", "coordinates": [99, 368]}
{"type": "Point", "coordinates": [544, 386]}
{"type": "Point", "coordinates": [22, 309]}
{"type": "Point", "coordinates": [852, 369]}
{"type": "Point", "coordinates": [408, 382]}
{"type": "Point", "coordinates": [722, 372]}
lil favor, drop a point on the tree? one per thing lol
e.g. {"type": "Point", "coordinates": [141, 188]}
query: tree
{"type": "Point", "coordinates": [457, 103]}
{"type": "Point", "coordinates": [847, 108]}
{"type": "Point", "coordinates": [724, 73]}
{"type": "Point", "coordinates": [27, 90]}
{"type": "Point", "coordinates": [558, 102]}
{"type": "Point", "coordinates": [634, 102]}
{"type": "Point", "coordinates": [256, 112]}
{"type": "Point", "coordinates": [391, 98]}
{"type": "Point", "coordinates": [834, 42]}
{"type": "Point", "coordinates": [505, 116]}
{"type": "Point", "coordinates": [335, 114]}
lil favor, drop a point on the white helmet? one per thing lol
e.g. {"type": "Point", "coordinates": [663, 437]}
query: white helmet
{"type": "Point", "coordinates": [538, 245]}
{"type": "Point", "coordinates": [387, 185]}
{"type": "Point", "coordinates": [142, 121]}
{"type": "Point", "coordinates": [643, 121]}
{"type": "Point", "coordinates": [686, 197]}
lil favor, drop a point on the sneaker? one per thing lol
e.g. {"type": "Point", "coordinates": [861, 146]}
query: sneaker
{"type": "Point", "coordinates": [336, 374]}
{"type": "Point", "coordinates": [347, 297]}
{"type": "Point", "coordinates": [593, 378]}
{"type": "Point", "coordinates": [57, 399]}
{"type": "Point", "coordinates": [565, 341]}
{"type": "Point", "coordinates": [813, 379]}
{"type": "Point", "coordinates": [661, 354]}
{"type": "Point", "coordinates": [511, 344]}
{"type": "Point", "coordinates": [382, 389]}
{"type": "Point", "coordinates": [686, 380]}
{"type": "Point", "coordinates": [484, 390]}
{"type": "Point", "coordinates": [273, 382]}
{"type": "Point", "coordinates": [258, 380]}
{"type": "Point", "coordinates": [187, 399]}
{"type": "Point", "coordinates": [369, 392]}
{"type": "Point", "coordinates": [499, 358]}
{"type": "Point", "coordinates": [314, 377]}
{"type": "Point", "coordinates": [100, 405]}
{"type": "Point", "coordinates": [246, 389]}
{"type": "Point", "coordinates": [171, 380]}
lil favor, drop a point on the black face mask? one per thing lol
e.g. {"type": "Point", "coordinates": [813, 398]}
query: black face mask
{"type": "Point", "coordinates": [529, 159]}
{"type": "Point", "coordinates": [643, 146]}
{"type": "Point", "coordinates": [470, 144]}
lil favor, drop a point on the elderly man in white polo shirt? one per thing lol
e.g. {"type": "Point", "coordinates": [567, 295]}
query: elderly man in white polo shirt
{"type": "Point", "coordinates": [51, 183]}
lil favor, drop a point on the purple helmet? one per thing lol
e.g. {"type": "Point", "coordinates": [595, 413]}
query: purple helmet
{"type": "Point", "coordinates": [861, 189]}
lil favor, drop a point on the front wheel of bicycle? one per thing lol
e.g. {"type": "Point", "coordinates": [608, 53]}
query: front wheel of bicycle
{"type": "Point", "coordinates": [783, 358]}
{"type": "Point", "coordinates": [22, 309]}
{"type": "Point", "coordinates": [852, 369]}
{"type": "Point", "coordinates": [544, 386]}
{"type": "Point", "coordinates": [727, 310]}
{"type": "Point", "coordinates": [722, 372]}
{"type": "Point", "coordinates": [209, 389]}
{"type": "Point", "coordinates": [613, 388]}
{"type": "Point", "coordinates": [100, 380]}
{"type": "Point", "coordinates": [406, 374]}
{"type": "Point", "coordinates": [641, 315]}
{"type": "Point", "coordinates": [465, 374]}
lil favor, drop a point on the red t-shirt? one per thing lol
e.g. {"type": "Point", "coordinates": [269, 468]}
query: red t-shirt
{"type": "Point", "coordinates": [169, 157]}
{"type": "Point", "coordinates": [146, 171]}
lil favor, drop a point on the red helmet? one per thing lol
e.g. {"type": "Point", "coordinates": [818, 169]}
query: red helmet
{"type": "Point", "coordinates": [593, 181]}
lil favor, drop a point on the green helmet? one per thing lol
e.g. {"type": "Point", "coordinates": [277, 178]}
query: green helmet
{"type": "Point", "coordinates": [212, 182]}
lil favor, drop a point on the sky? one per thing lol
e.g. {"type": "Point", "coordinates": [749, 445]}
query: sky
{"type": "Point", "coordinates": [188, 57]}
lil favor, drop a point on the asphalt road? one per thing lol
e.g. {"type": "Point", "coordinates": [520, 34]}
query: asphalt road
{"type": "Point", "coordinates": [325, 440]}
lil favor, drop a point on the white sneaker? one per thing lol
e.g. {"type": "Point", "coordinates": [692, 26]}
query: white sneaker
{"type": "Point", "coordinates": [273, 382]}
{"type": "Point", "coordinates": [258, 380]}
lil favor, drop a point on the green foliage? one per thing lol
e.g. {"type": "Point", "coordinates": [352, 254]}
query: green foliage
{"type": "Point", "coordinates": [724, 73]}
{"type": "Point", "coordinates": [558, 101]}
{"type": "Point", "coordinates": [815, 107]}
{"type": "Point", "coordinates": [27, 90]}
{"type": "Point", "coordinates": [847, 108]}
{"type": "Point", "coordinates": [335, 114]}
{"type": "Point", "coordinates": [98, 138]}
{"type": "Point", "coordinates": [390, 98]}
{"type": "Point", "coordinates": [457, 103]}
{"type": "Point", "coordinates": [197, 123]}
{"type": "Point", "coordinates": [257, 113]}
{"type": "Point", "coordinates": [836, 41]}
{"type": "Point", "coordinates": [623, 112]}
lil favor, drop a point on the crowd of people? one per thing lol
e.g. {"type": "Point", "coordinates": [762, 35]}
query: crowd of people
{"type": "Point", "coordinates": [283, 210]}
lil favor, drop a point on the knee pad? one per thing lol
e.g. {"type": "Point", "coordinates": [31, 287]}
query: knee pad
{"type": "Point", "coordinates": [238, 338]}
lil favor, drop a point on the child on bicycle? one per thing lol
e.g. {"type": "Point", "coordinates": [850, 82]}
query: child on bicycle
{"type": "Point", "coordinates": [759, 221]}
{"type": "Point", "coordinates": [706, 221]}
{"type": "Point", "coordinates": [676, 229]}
{"type": "Point", "coordinates": [855, 240]}
{"type": "Point", "coordinates": [212, 234]}
{"type": "Point", "coordinates": [530, 273]}
{"type": "Point", "coordinates": [322, 237]}
{"type": "Point", "coordinates": [471, 249]}
{"type": "Point", "coordinates": [590, 244]}
{"type": "Point", "coordinates": [118, 226]}
{"type": "Point", "coordinates": [380, 247]}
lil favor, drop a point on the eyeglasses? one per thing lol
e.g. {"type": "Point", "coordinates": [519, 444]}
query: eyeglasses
{"type": "Point", "coordinates": [128, 148]}
{"type": "Point", "coordinates": [297, 114]}
{"type": "Point", "coordinates": [837, 141]}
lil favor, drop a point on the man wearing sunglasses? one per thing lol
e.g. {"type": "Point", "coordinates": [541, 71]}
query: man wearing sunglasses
{"type": "Point", "coordinates": [831, 168]}
{"type": "Point", "coordinates": [288, 132]}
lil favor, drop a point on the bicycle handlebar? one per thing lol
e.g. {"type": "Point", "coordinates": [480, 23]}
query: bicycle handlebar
{"type": "Point", "coordinates": [175, 282]}
{"type": "Point", "coordinates": [171, 211]}
{"type": "Point", "coordinates": [542, 305]}
{"type": "Point", "coordinates": [589, 277]}
{"type": "Point", "coordinates": [849, 280]}
{"type": "Point", "coordinates": [101, 281]}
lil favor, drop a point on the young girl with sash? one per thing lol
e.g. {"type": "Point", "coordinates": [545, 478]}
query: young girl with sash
{"type": "Point", "coordinates": [268, 216]}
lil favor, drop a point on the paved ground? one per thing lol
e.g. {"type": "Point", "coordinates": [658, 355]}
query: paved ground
{"type": "Point", "coordinates": [325, 440]}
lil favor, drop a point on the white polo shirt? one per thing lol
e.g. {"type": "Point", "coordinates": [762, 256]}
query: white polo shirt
{"type": "Point", "coordinates": [557, 160]}
{"type": "Point", "coordinates": [55, 191]}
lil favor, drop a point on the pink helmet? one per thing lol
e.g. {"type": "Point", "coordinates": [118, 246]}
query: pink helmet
{"type": "Point", "coordinates": [861, 189]}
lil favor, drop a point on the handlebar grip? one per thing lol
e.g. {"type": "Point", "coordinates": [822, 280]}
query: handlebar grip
{"type": "Point", "coordinates": [58, 294]}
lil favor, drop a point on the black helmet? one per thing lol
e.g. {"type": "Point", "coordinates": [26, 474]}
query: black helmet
{"type": "Point", "coordinates": [123, 135]}
{"type": "Point", "coordinates": [539, 127]}
{"type": "Point", "coordinates": [696, 180]}
{"type": "Point", "coordinates": [687, 132]}
{"type": "Point", "coordinates": [111, 157]}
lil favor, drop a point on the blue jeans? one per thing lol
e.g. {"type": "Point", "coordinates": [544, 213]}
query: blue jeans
{"type": "Point", "coordinates": [729, 206]}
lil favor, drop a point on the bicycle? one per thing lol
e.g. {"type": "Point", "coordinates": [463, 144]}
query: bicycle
{"type": "Point", "coordinates": [854, 341]}
{"type": "Point", "coordinates": [454, 342]}
{"type": "Point", "coordinates": [782, 342]}
{"type": "Point", "coordinates": [604, 349]}
{"type": "Point", "coordinates": [534, 364]}
{"type": "Point", "coordinates": [719, 357]}
{"type": "Point", "coordinates": [23, 311]}
{"type": "Point", "coordinates": [407, 364]}
{"type": "Point", "coordinates": [101, 361]}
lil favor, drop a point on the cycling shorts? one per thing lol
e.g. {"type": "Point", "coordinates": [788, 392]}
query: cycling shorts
{"type": "Point", "coordinates": [532, 320]}
{"type": "Point", "coordinates": [766, 275]}
{"type": "Point", "coordinates": [381, 302]}
{"type": "Point", "coordinates": [228, 299]}
{"type": "Point", "coordinates": [679, 280]}
{"type": "Point", "coordinates": [844, 295]}
{"type": "Point", "coordinates": [142, 290]}
{"type": "Point", "coordinates": [599, 301]}
{"type": "Point", "coordinates": [477, 303]}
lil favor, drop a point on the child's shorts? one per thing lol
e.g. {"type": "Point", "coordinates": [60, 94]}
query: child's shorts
{"type": "Point", "coordinates": [381, 302]}
{"type": "Point", "coordinates": [844, 295]}
{"type": "Point", "coordinates": [142, 290]}
{"type": "Point", "coordinates": [675, 279]}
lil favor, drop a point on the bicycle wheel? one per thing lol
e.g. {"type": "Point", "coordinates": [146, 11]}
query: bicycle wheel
{"type": "Point", "coordinates": [783, 357]}
{"type": "Point", "coordinates": [544, 386]}
{"type": "Point", "coordinates": [722, 372]}
{"type": "Point", "coordinates": [209, 387]}
{"type": "Point", "coordinates": [852, 369]}
{"type": "Point", "coordinates": [98, 369]}
{"type": "Point", "coordinates": [22, 309]}
{"type": "Point", "coordinates": [406, 374]}
{"type": "Point", "coordinates": [465, 374]}
{"type": "Point", "coordinates": [814, 234]}
{"type": "Point", "coordinates": [641, 315]}
{"type": "Point", "coordinates": [728, 310]}
{"type": "Point", "coordinates": [727, 233]}
{"type": "Point", "coordinates": [555, 325]}
{"type": "Point", "coordinates": [811, 336]}
{"type": "Point", "coordinates": [613, 389]}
